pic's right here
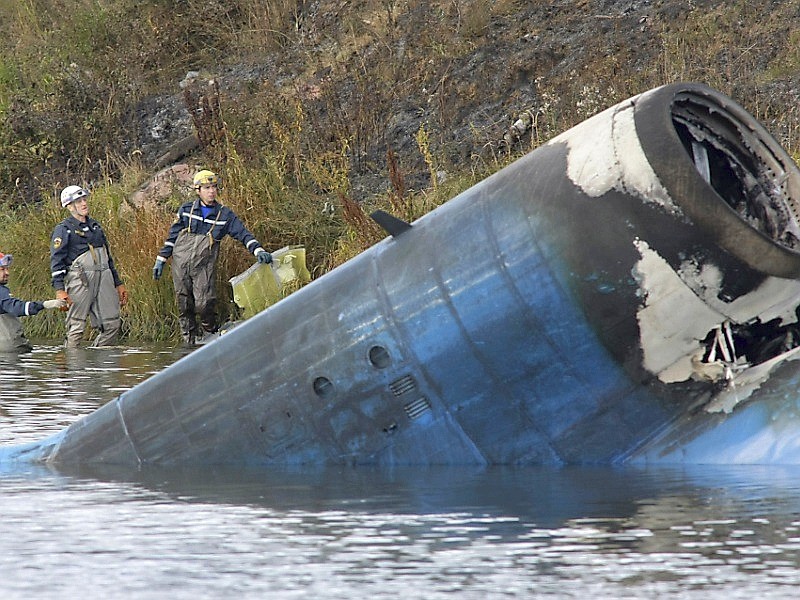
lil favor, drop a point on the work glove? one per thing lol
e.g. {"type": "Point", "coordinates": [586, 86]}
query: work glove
{"type": "Point", "coordinates": [63, 295]}
{"type": "Point", "coordinates": [158, 269]}
{"type": "Point", "coordinates": [264, 257]}
{"type": "Point", "coordinates": [123, 295]}
{"type": "Point", "coordinates": [57, 303]}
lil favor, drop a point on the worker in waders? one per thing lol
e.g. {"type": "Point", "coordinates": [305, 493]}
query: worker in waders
{"type": "Point", "coordinates": [193, 243]}
{"type": "Point", "coordinates": [83, 272]}
{"type": "Point", "coordinates": [12, 338]}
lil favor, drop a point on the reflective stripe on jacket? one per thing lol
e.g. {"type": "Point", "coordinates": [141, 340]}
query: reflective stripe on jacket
{"type": "Point", "coordinates": [219, 222]}
{"type": "Point", "coordinates": [18, 308]}
{"type": "Point", "coordinates": [71, 239]}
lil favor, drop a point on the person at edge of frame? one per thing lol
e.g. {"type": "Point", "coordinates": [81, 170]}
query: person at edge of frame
{"type": "Point", "coordinates": [193, 242]}
{"type": "Point", "coordinates": [12, 337]}
{"type": "Point", "coordinates": [84, 273]}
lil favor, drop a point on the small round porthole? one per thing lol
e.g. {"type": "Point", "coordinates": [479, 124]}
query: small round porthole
{"type": "Point", "coordinates": [379, 357]}
{"type": "Point", "coordinates": [323, 387]}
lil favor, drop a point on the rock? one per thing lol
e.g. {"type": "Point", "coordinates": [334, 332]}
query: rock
{"type": "Point", "coordinates": [162, 185]}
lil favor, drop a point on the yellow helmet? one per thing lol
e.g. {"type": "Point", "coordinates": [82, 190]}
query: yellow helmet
{"type": "Point", "coordinates": [204, 177]}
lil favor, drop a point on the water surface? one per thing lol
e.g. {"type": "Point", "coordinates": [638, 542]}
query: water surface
{"type": "Point", "coordinates": [102, 532]}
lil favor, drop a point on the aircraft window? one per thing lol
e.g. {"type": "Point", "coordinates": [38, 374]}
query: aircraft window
{"type": "Point", "coordinates": [323, 387]}
{"type": "Point", "coordinates": [379, 357]}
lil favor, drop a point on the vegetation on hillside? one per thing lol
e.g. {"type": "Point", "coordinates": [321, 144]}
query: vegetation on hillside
{"type": "Point", "coordinates": [304, 105]}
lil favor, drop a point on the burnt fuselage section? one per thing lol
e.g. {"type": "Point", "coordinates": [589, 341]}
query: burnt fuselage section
{"type": "Point", "coordinates": [563, 310]}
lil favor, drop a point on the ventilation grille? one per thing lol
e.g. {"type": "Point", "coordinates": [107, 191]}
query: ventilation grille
{"type": "Point", "coordinates": [404, 385]}
{"type": "Point", "coordinates": [417, 408]}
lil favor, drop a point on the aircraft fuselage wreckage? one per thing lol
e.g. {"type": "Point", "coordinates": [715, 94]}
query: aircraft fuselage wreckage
{"type": "Point", "coordinates": [627, 292]}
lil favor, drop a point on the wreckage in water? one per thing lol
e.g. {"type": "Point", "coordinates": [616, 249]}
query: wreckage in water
{"type": "Point", "coordinates": [626, 292]}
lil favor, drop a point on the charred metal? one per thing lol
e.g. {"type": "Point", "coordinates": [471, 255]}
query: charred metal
{"type": "Point", "coordinates": [626, 292]}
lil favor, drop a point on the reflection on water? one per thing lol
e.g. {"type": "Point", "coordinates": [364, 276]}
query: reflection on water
{"type": "Point", "coordinates": [43, 391]}
{"type": "Point", "coordinates": [698, 532]}
{"type": "Point", "coordinates": [426, 533]}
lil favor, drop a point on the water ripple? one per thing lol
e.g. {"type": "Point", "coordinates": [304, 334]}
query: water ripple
{"type": "Point", "coordinates": [98, 531]}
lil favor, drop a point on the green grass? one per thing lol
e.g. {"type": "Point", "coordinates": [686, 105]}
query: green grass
{"type": "Point", "coordinates": [70, 81]}
{"type": "Point", "coordinates": [277, 217]}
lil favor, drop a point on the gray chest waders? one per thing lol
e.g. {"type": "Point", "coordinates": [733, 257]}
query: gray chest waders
{"type": "Point", "coordinates": [90, 284]}
{"type": "Point", "coordinates": [12, 338]}
{"type": "Point", "coordinates": [194, 263]}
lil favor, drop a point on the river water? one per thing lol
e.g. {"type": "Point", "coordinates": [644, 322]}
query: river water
{"type": "Point", "coordinates": [429, 533]}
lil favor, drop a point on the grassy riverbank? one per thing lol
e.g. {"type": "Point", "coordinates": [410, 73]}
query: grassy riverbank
{"type": "Point", "coordinates": [304, 105]}
{"type": "Point", "coordinates": [277, 216]}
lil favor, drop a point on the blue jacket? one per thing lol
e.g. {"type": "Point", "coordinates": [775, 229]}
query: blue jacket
{"type": "Point", "coordinates": [220, 221]}
{"type": "Point", "coordinates": [70, 239]}
{"type": "Point", "coordinates": [18, 308]}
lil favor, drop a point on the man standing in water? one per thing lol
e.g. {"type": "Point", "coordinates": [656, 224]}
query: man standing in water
{"type": "Point", "coordinates": [84, 273]}
{"type": "Point", "coordinates": [12, 338]}
{"type": "Point", "coordinates": [193, 243]}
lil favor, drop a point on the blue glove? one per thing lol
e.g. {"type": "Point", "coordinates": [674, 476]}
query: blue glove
{"type": "Point", "coordinates": [264, 257]}
{"type": "Point", "coordinates": [158, 268]}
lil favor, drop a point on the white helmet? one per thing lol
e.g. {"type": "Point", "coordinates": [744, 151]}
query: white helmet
{"type": "Point", "coordinates": [71, 193]}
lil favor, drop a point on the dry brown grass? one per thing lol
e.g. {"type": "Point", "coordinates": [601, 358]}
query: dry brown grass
{"type": "Point", "coordinates": [397, 92]}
